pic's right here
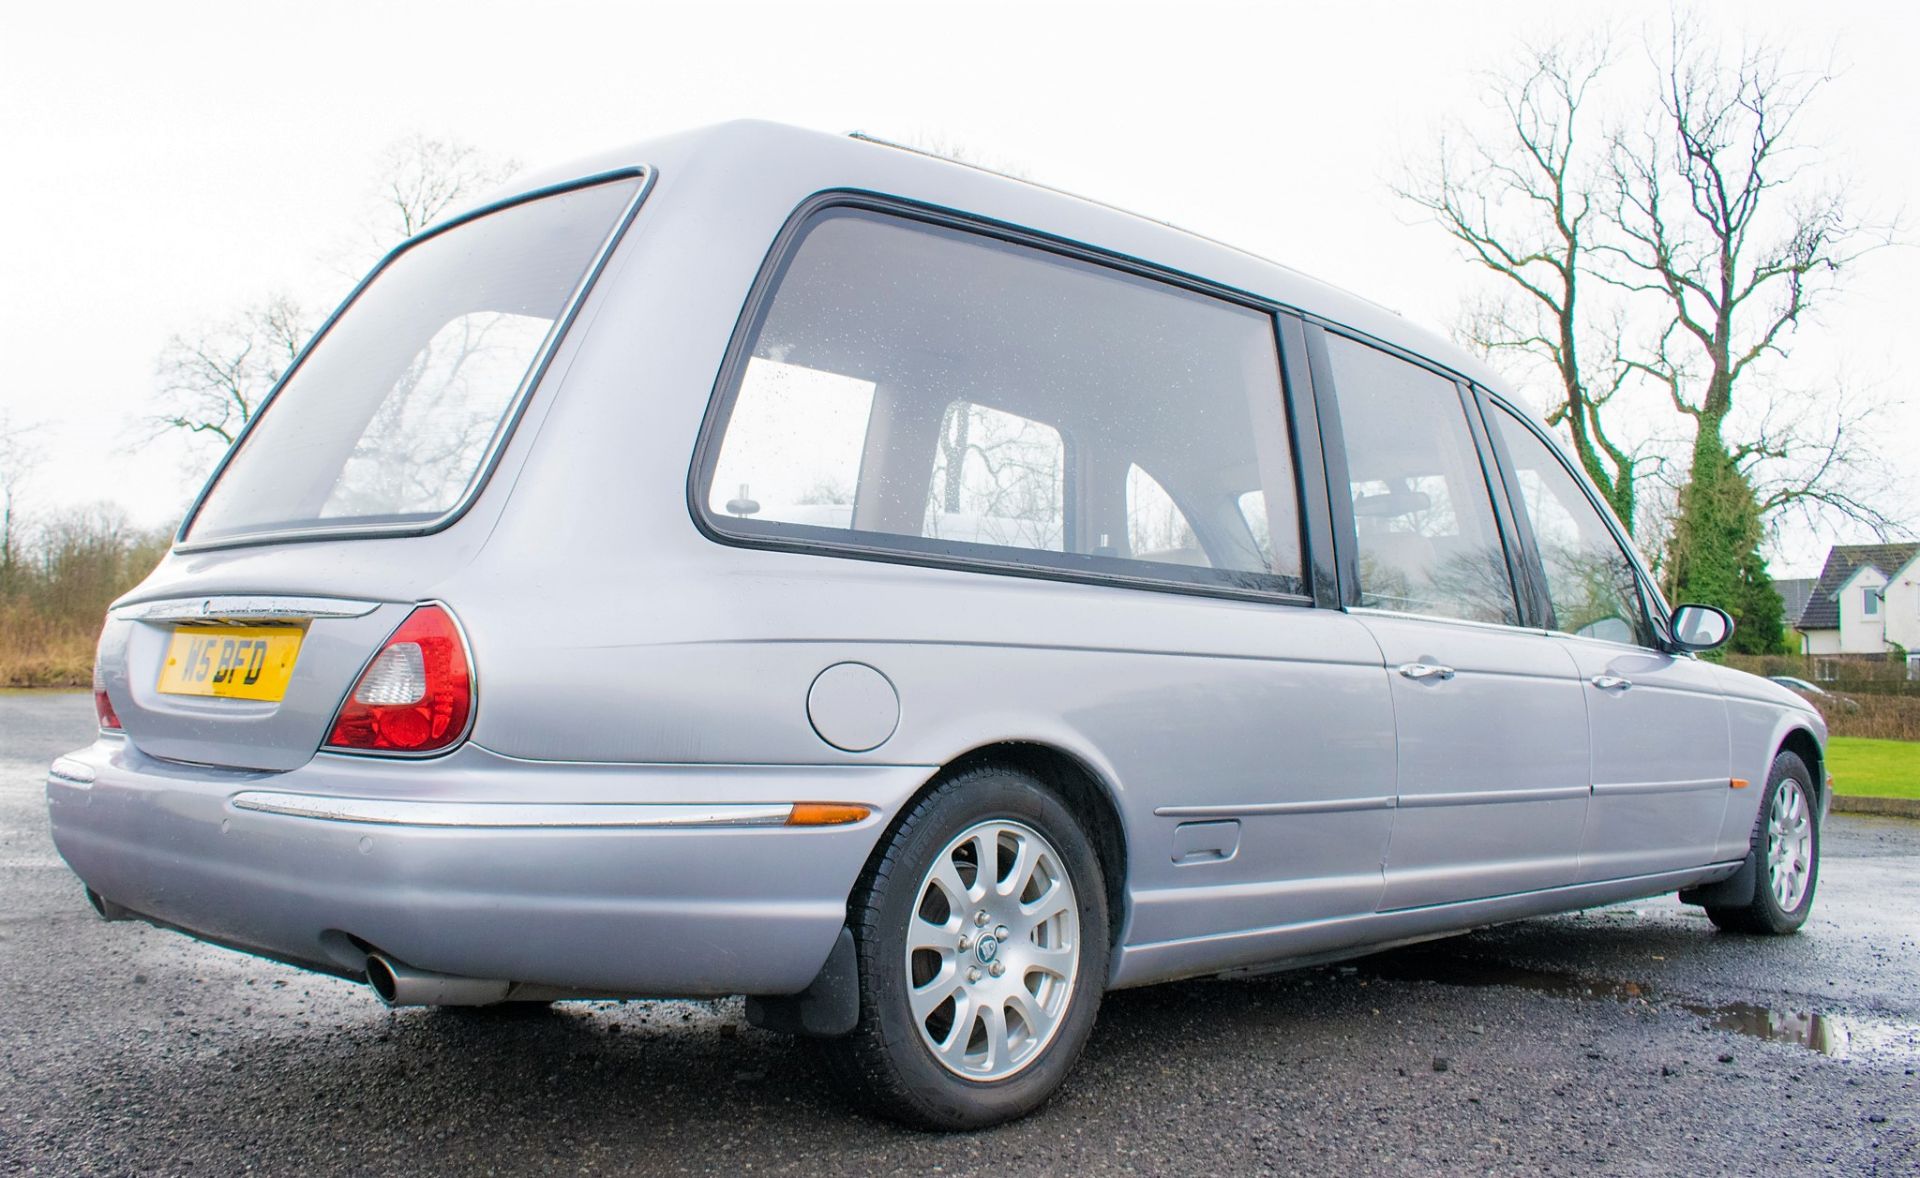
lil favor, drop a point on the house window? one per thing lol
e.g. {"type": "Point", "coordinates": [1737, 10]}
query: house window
{"type": "Point", "coordinates": [1825, 670]}
{"type": "Point", "coordinates": [1870, 601]}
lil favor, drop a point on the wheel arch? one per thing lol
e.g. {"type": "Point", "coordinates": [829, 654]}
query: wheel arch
{"type": "Point", "coordinates": [1802, 743]}
{"type": "Point", "coordinates": [1084, 789]}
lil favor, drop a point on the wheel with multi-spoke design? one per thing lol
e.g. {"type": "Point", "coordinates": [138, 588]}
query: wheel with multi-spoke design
{"type": "Point", "coordinates": [993, 950]}
{"type": "Point", "coordinates": [1785, 856]}
{"type": "Point", "coordinates": [981, 931]}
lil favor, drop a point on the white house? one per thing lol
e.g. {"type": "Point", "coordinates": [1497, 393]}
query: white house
{"type": "Point", "coordinates": [1866, 601]}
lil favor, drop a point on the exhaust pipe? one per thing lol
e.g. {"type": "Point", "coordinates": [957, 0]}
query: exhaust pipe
{"type": "Point", "coordinates": [402, 985]}
{"type": "Point", "coordinates": [107, 909]}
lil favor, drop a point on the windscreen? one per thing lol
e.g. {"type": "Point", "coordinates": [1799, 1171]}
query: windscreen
{"type": "Point", "coordinates": [391, 417]}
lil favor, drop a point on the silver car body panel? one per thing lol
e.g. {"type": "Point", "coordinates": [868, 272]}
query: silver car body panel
{"type": "Point", "coordinates": [1281, 792]}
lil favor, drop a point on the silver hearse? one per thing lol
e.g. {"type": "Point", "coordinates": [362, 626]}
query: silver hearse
{"type": "Point", "coordinates": [758, 562]}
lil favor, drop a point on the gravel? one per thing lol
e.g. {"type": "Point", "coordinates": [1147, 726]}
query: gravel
{"type": "Point", "coordinates": [1626, 1040]}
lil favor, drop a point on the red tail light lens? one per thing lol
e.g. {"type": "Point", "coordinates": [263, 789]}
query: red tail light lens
{"type": "Point", "coordinates": [416, 694]}
{"type": "Point", "coordinates": [103, 706]}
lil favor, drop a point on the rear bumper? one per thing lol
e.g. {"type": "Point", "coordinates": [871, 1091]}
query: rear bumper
{"type": "Point", "coordinates": [615, 879]}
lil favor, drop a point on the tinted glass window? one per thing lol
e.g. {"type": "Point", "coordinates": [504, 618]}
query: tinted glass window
{"type": "Point", "coordinates": [998, 478]}
{"type": "Point", "coordinates": [391, 415]}
{"type": "Point", "coordinates": [1156, 527]}
{"type": "Point", "coordinates": [1590, 579]}
{"type": "Point", "coordinates": [1427, 539]}
{"type": "Point", "coordinates": [919, 388]}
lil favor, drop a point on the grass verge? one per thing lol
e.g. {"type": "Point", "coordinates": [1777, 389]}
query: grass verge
{"type": "Point", "coordinates": [1874, 768]}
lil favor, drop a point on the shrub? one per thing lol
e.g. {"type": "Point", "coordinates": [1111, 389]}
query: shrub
{"type": "Point", "coordinates": [1883, 717]}
{"type": "Point", "coordinates": [55, 589]}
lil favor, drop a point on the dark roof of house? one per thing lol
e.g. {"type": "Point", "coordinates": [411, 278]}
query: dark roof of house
{"type": "Point", "coordinates": [1822, 611]}
{"type": "Point", "coordinates": [1793, 593]}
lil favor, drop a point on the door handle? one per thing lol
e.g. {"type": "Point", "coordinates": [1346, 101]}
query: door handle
{"type": "Point", "coordinates": [1611, 682]}
{"type": "Point", "coordinates": [1426, 671]}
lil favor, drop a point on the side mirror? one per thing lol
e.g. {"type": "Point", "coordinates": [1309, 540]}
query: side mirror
{"type": "Point", "coordinates": [1701, 627]}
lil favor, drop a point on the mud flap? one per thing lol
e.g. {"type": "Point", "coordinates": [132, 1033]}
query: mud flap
{"type": "Point", "coordinates": [829, 1006]}
{"type": "Point", "coordinates": [1735, 891]}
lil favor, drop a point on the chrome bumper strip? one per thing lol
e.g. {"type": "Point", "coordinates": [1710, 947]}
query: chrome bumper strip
{"type": "Point", "coordinates": [71, 771]}
{"type": "Point", "coordinates": [385, 812]}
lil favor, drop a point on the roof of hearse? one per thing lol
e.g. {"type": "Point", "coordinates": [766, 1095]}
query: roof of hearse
{"type": "Point", "coordinates": [752, 149]}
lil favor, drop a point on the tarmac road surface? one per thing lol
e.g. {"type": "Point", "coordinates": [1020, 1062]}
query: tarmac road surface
{"type": "Point", "coordinates": [1627, 1040]}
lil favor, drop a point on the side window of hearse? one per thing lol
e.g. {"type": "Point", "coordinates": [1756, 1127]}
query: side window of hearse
{"type": "Point", "coordinates": [921, 388]}
{"type": "Point", "coordinates": [1590, 579]}
{"type": "Point", "coordinates": [998, 478]}
{"type": "Point", "coordinates": [1422, 513]}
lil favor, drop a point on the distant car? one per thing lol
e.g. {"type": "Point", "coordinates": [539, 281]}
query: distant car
{"type": "Point", "coordinates": [1816, 693]}
{"type": "Point", "coordinates": [762, 563]}
{"type": "Point", "coordinates": [1800, 685]}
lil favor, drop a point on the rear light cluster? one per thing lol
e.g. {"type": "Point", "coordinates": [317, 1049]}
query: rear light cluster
{"type": "Point", "coordinates": [103, 706]}
{"type": "Point", "coordinates": [416, 694]}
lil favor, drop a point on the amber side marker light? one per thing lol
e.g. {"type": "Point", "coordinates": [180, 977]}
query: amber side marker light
{"type": "Point", "coordinates": [825, 814]}
{"type": "Point", "coordinates": [1739, 783]}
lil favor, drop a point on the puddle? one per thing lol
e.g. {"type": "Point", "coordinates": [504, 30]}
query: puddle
{"type": "Point", "coordinates": [1829, 1035]}
{"type": "Point", "coordinates": [1815, 1032]}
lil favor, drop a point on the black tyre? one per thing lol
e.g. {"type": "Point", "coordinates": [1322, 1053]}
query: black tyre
{"type": "Point", "coordinates": [1784, 860]}
{"type": "Point", "coordinates": [981, 933]}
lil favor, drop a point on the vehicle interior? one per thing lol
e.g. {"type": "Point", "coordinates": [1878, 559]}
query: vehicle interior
{"type": "Point", "coordinates": [1145, 424]}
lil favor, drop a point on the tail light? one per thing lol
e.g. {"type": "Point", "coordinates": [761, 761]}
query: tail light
{"type": "Point", "coordinates": [103, 706]}
{"type": "Point", "coordinates": [417, 693]}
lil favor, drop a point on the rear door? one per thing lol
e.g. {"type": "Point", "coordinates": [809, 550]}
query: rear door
{"type": "Point", "coordinates": [243, 680]}
{"type": "Point", "coordinates": [1661, 753]}
{"type": "Point", "coordinates": [1491, 730]}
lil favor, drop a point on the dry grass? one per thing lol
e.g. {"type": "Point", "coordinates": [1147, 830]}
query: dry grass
{"type": "Point", "coordinates": [1877, 717]}
{"type": "Point", "coordinates": [38, 651]}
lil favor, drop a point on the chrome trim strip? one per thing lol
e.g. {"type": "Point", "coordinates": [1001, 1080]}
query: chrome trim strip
{"type": "Point", "coordinates": [1376, 611]}
{"type": "Point", "coordinates": [1493, 797]}
{"type": "Point", "coordinates": [391, 812]}
{"type": "Point", "coordinates": [224, 607]}
{"type": "Point", "coordinates": [1256, 809]}
{"type": "Point", "coordinates": [71, 771]}
{"type": "Point", "coordinates": [1631, 788]}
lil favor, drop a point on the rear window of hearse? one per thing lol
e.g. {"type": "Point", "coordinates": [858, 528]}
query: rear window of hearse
{"type": "Point", "coordinates": [390, 418]}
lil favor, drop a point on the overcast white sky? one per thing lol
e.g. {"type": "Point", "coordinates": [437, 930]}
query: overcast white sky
{"type": "Point", "coordinates": [166, 164]}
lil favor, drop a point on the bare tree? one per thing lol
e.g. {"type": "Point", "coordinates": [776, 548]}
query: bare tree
{"type": "Point", "coordinates": [1805, 457]}
{"type": "Point", "coordinates": [1715, 216]}
{"type": "Point", "coordinates": [422, 179]}
{"type": "Point", "coordinates": [1521, 202]}
{"type": "Point", "coordinates": [212, 380]}
{"type": "Point", "coordinates": [18, 455]}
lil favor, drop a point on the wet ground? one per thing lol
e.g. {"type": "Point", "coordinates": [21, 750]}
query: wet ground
{"type": "Point", "coordinates": [1628, 1040]}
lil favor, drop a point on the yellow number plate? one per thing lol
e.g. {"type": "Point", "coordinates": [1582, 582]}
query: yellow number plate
{"type": "Point", "coordinates": [236, 662]}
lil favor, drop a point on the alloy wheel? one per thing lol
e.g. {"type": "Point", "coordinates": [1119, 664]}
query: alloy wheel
{"type": "Point", "coordinates": [993, 950]}
{"type": "Point", "coordinates": [1789, 845]}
